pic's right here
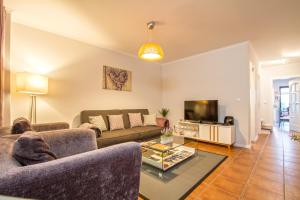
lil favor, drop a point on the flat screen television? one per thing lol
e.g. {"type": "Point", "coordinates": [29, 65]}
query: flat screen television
{"type": "Point", "coordinates": [201, 111]}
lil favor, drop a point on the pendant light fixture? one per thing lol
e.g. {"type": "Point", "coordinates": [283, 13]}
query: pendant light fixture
{"type": "Point", "coordinates": [151, 51]}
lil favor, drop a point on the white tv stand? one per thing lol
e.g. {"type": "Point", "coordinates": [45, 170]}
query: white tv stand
{"type": "Point", "coordinates": [212, 133]}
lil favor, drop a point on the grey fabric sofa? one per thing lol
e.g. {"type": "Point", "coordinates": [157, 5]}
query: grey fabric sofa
{"type": "Point", "coordinates": [119, 136]}
{"type": "Point", "coordinates": [81, 172]}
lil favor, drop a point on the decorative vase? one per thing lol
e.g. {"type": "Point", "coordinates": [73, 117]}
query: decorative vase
{"type": "Point", "coordinates": [166, 140]}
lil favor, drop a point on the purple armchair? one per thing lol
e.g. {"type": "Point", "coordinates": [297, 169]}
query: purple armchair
{"type": "Point", "coordinates": [81, 172]}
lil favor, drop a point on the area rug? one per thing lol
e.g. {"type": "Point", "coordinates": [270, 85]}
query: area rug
{"type": "Point", "coordinates": [179, 181]}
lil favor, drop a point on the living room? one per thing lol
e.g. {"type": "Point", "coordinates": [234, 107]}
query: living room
{"type": "Point", "coordinates": [211, 55]}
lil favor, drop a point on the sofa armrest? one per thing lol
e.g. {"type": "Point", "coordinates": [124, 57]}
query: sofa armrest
{"type": "Point", "coordinates": [50, 126]}
{"type": "Point", "coordinates": [108, 173]}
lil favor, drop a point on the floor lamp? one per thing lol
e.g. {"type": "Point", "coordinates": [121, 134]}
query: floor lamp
{"type": "Point", "coordinates": [32, 84]}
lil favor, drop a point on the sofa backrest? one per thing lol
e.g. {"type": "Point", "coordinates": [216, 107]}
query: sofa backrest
{"type": "Point", "coordinates": [87, 113]}
{"type": "Point", "coordinates": [38, 127]}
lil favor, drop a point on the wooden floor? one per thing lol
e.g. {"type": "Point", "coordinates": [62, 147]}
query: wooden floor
{"type": "Point", "coordinates": [269, 170]}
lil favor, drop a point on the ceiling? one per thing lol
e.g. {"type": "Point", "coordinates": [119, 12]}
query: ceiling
{"type": "Point", "coordinates": [185, 27]}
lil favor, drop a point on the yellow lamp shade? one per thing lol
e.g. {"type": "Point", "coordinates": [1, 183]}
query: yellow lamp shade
{"type": "Point", "coordinates": [151, 51]}
{"type": "Point", "coordinates": [31, 83]}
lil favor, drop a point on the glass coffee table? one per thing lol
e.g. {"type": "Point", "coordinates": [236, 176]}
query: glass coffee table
{"type": "Point", "coordinates": [164, 156]}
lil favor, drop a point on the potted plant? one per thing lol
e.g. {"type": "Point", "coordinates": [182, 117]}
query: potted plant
{"type": "Point", "coordinates": [164, 112]}
{"type": "Point", "coordinates": [167, 136]}
{"type": "Point", "coordinates": [295, 137]}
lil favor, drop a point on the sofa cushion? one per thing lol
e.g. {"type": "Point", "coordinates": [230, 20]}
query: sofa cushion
{"type": "Point", "coordinates": [117, 136]}
{"type": "Point", "coordinates": [150, 120]}
{"type": "Point", "coordinates": [30, 148]}
{"type": "Point", "coordinates": [115, 122]}
{"type": "Point", "coordinates": [87, 113]}
{"type": "Point", "coordinates": [99, 122]}
{"type": "Point", "coordinates": [7, 162]}
{"type": "Point", "coordinates": [20, 125]}
{"type": "Point", "coordinates": [126, 117]}
{"type": "Point", "coordinates": [135, 119]}
{"type": "Point", "coordinates": [147, 131]}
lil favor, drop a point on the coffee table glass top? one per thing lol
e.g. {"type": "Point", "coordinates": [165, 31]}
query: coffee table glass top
{"type": "Point", "coordinates": [164, 155]}
{"type": "Point", "coordinates": [157, 145]}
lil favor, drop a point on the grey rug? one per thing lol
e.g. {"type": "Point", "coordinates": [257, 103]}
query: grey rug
{"type": "Point", "coordinates": [179, 181]}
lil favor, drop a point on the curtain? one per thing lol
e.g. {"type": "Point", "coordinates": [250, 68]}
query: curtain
{"type": "Point", "coordinates": [2, 61]}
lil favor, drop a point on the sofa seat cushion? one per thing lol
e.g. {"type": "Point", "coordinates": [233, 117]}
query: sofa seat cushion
{"type": "Point", "coordinates": [117, 136]}
{"type": "Point", "coordinates": [7, 162]}
{"type": "Point", "coordinates": [147, 131]}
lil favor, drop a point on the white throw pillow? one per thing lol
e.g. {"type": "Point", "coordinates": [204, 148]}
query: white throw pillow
{"type": "Point", "coordinates": [98, 121]}
{"type": "Point", "coordinates": [150, 120]}
{"type": "Point", "coordinates": [135, 119]}
{"type": "Point", "coordinates": [116, 122]}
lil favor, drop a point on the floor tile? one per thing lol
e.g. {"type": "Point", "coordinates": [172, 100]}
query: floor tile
{"type": "Point", "coordinates": [273, 168]}
{"type": "Point", "coordinates": [291, 166]}
{"type": "Point", "coordinates": [196, 193]}
{"type": "Point", "coordinates": [291, 180]}
{"type": "Point", "coordinates": [267, 184]}
{"type": "Point", "coordinates": [236, 174]}
{"type": "Point", "coordinates": [229, 185]}
{"type": "Point", "coordinates": [254, 192]}
{"type": "Point", "coordinates": [291, 172]}
{"type": "Point", "coordinates": [275, 176]}
{"type": "Point", "coordinates": [243, 161]}
{"type": "Point", "coordinates": [211, 177]}
{"type": "Point", "coordinates": [293, 191]}
{"type": "Point", "coordinates": [271, 161]}
{"type": "Point", "coordinates": [214, 193]}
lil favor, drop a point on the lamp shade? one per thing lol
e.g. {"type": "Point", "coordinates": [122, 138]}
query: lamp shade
{"type": "Point", "coordinates": [151, 51]}
{"type": "Point", "coordinates": [31, 83]}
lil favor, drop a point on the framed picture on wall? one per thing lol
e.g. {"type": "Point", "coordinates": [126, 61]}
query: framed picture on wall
{"type": "Point", "coordinates": [116, 79]}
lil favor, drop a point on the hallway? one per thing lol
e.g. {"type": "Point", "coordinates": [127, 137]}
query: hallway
{"type": "Point", "coordinates": [269, 170]}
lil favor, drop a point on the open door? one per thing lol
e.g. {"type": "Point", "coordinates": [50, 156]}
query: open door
{"type": "Point", "coordinates": [294, 105]}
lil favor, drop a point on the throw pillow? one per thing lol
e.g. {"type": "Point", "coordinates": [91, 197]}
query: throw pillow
{"type": "Point", "coordinates": [20, 125]}
{"type": "Point", "coordinates": [30, 148]}
{"type": "Point", "coordinates": [116, 122]}
{"type": "Point", "coordinates": [98, 121]}
{"type": "Point", "coordinates": [92, 127]}
{"type": "Point", "coordinates": [135, 119]}
{"type": "Point", "coordinates": [150, 120]}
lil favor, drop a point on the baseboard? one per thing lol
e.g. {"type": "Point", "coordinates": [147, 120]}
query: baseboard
{"type": "Point", "coordinates": [248, 146]}
{"type": "Point", "coordinates": [267, 125]}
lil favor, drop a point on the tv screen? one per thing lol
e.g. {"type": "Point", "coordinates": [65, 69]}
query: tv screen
{"type": "Point", "coordinates": [203, 110]}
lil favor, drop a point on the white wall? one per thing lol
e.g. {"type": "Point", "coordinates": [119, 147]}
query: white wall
{"type": "Point", "coordinates": [268, 74]}
{"type": "Point", "coordinates": [222, 74]}
{"type": "Point", "coordinates": [255, 125]}
{"type": "Point", "coordinates": [75, 73]}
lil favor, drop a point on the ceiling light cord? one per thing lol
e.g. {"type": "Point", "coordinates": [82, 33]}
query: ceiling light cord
{"type": "Point", "coordinates": [150, 26]}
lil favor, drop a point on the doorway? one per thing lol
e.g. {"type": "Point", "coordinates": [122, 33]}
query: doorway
{"type": "Point", "coordinates": [284, 105]}
{"type": "Point", "coordinates": [281, 112]}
